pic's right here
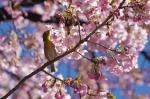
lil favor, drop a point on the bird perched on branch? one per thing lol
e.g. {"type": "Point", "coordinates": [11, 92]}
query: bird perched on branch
{"type": "Point", "coordinates": [69, 17]}
{"type": "Point", "coordinates": [49, 49]}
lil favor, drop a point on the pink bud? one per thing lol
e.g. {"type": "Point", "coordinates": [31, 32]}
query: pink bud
{"type": "Point", "coordinates": [96, 76]}
{"type": "Point", "coordinates": [59, 95]}
{"type": "Point", "coordinates": [45, 86]}
{"type": "Point", "coordinates": [81, 89]}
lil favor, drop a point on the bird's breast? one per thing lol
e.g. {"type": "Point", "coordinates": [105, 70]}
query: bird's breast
{"type": "Point", "coordinates": [49, 51]}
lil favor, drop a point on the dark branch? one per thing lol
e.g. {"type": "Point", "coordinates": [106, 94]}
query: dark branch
{"type": "Point", "coordinates": [30, 3]}
{"type": "Point", "coordinates": [35, 17]}
{"type": "Point", "coordinates": [12, 75]}
{"type": "Point", "coordinates": [83, 56]}
{"type": "Point", "coordinates": [52, 76]}
{"type": "Point", "coordinates": [27, 3]}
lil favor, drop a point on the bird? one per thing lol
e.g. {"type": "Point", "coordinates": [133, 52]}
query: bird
{"type": "Point", "coordinates": [49, 49]}
{"type": "Point", "coordinates": [69, 17]}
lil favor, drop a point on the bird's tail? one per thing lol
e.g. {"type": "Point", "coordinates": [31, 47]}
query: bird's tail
{"type": "Point", "coordinates": [52, 67]}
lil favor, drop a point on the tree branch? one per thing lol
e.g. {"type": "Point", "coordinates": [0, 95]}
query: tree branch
{"type": "Point", "coordinates": [52, 76]}
{"type": "Point", "coordinates": [83, 56]}
{"type": "Point", "coordinates": [102, 46]}
{"type": "Point", "coordinates": [12, 75]}
{"type": "Point", "coordinates": [34, 17]}
{"type": "Point", "coordinates": [26, 3]}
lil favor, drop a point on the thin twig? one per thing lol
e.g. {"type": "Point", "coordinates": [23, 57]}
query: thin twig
{"type": "Point", "coordinates": [83, 56]}
{"type": "Point", "coordinates": [52, 76]}
{"type": "Point", "coordinates": [78, 25]}
{"type": "Point", "coordinates": [12, 74]}
{"type": "Point", "coordinates": [110, 51]}
{"type": "Point", "coordinates": [102, 46]}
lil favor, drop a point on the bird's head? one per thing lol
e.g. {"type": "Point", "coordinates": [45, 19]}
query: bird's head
{"type": "Point", "coordinates": [68, 12]}
{"type": "Point", "coordinates": [46, 36]}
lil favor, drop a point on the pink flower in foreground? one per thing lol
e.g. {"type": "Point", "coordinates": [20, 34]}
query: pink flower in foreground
{"type": "Point", "coordinates": [60, 95]}
{"type": "Point", "coordinates": [96, 76]}
{"type": "Point", "coordinates": [104, 4]}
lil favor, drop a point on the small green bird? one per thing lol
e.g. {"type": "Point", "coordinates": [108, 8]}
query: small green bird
{"type": "Point", "coordinates": [69, 17]}
{"type": "Point", "coordinates": [49, 49]}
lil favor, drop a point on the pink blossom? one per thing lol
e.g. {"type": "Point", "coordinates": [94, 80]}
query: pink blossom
{"type": "Point", "coordinates": [60, 95]}
{"type": "Point", "coordinates": [81, 89]}
{"type": "Point", "coordinates": [45, 86]}
{"type": "Point", "coordinates": [103, 4]}
{"type": "Point", "coordinates": [96, 76]}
